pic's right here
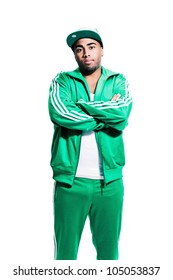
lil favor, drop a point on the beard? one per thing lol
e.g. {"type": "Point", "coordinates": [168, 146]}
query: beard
{"type": "Point", "coordinates": [87, 70]}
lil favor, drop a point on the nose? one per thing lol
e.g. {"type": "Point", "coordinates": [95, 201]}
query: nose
{"type": "Point", "coordinates": [85, 53]}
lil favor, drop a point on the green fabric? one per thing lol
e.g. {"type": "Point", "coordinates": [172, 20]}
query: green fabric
{"type": "Point", "coordinates": [79, 34]}
{"type": "Point", "coordinates": [88, 198]}
{"type": "Point", "coordinates": [72, 112]}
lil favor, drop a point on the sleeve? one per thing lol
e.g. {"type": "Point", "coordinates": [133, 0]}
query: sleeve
{"type": "Point", "coordinates": [113, 113]}
{"type": "Point", "coordinates": [64, 112]}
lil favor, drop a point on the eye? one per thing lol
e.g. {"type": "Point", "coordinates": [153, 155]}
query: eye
{"type": "Point", "coordinates": [92, 47]}
{"type": "Point", "coordinates": [78, 50]}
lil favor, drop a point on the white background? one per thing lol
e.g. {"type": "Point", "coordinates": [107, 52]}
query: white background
{"type": "Point", "coordinates": [137, 39]}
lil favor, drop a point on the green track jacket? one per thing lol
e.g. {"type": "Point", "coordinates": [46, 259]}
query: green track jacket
{"type": "Point", "coordinates": [71, 112]}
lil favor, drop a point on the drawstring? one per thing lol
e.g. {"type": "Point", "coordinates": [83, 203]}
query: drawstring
{"type": "Point", "coordinates": [103, 184]}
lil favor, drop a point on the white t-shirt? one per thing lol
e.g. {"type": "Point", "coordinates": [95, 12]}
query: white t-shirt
{"type": "Point", "coordinates": [89, 165]}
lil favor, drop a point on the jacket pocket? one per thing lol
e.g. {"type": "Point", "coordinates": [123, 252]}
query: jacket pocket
{"type": "Point", "coordinates": [113, 151]}
{"type": "Point", "coordinates": [63, 151]}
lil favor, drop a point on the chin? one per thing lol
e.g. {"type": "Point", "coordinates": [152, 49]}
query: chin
{"type": "Point", "coordinates": [89, 70]}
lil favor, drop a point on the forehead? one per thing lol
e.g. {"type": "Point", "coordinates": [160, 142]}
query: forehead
{"type": "Point", "coordinates": [85, 41]}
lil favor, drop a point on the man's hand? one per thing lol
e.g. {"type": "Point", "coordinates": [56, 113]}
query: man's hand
{"type": "Point", "coordinates": [115, 97]}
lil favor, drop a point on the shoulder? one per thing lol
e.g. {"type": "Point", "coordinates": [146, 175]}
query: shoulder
{"type": "Point", "coordinates": [60, 76]}
{"type": "Point", "coordinates": [67, 75]}
{"type": "Point", "coordinates": [109, 73]}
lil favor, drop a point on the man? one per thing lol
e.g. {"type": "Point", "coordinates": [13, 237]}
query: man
{"type": "Point", "coordinates": [89, 108]}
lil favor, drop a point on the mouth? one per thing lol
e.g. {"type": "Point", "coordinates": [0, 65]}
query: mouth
{"type": "Point", "coordinates": [88, 61]}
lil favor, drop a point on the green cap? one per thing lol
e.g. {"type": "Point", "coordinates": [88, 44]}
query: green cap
{"type": "Point", "coordinates": [83, 33]}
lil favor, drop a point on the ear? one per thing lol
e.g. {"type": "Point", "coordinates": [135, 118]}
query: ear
{"type": "Point", "coordinates": [102, 52]}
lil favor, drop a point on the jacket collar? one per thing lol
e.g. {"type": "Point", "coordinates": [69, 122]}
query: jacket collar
{"type": "Point", "coordinates": [105, 73]}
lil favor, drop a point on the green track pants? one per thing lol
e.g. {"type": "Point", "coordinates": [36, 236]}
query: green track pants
{"type": "Point", "coordinates": [88, 198]}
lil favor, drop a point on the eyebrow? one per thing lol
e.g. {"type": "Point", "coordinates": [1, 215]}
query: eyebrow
{"type": "Point", "coordinates": [92, 43]}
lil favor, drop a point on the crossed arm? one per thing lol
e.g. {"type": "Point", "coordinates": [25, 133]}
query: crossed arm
{"type": "Point", "coordinates": [88, 115]}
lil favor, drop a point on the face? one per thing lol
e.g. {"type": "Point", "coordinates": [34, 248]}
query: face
{"type": "Point", "coordinates": [88, 53]}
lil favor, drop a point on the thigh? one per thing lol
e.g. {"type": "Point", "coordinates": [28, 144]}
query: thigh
{"type": "Point", "coordinates": [71, 207]}
{"type": "Point", "coordinates": [105, 219]}
{"type": "Point", "coordinates": [71, 204]}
